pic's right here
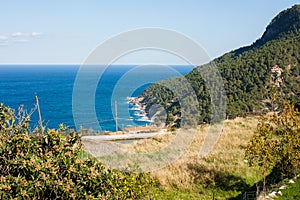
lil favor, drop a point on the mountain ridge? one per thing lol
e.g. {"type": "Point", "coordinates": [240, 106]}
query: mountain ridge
{"type": "Point", "coordinates": [286, 21]}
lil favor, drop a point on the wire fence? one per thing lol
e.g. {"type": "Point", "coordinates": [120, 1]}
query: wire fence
{"type": "Point", "coordinates": [251, 195]}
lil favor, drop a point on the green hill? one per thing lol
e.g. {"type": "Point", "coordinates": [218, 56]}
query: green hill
{"type": "Point", "coordinates": [255, 77]}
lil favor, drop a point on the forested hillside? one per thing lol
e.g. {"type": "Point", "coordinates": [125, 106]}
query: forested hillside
{"type": "Point", "coordinates": [255, 77]}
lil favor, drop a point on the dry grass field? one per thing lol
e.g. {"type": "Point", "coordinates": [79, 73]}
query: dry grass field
{"type": "Point", "coordinates": [222, 174]}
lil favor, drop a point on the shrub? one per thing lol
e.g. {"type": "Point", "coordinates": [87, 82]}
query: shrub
{"type": "Point", "coordinates": [54, 166]}
{"type": "Point", "coordinates": [275, 146]}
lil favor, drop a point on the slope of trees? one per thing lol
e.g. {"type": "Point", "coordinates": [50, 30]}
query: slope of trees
{"type": "Point", "coordinates": [247, 74]}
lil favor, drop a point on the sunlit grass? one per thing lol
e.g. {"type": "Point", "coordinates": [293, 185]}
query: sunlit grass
{"type": "Point", "coordinates": [222, 174]}
{"type": "Point", "coordinates": [292, 192]}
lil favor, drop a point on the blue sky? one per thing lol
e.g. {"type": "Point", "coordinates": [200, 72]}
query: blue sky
{"type": "Point", "coordinates": [67, 31]}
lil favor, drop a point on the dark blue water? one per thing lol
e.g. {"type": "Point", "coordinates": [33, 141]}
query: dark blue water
{"type": "Point", "coordinates": [53, 84]}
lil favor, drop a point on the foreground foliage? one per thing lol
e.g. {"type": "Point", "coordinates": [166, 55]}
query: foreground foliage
{"type": "Point", "coordinates": [52, 166]}
{"type": "Point", "coordinates": [275, 146]}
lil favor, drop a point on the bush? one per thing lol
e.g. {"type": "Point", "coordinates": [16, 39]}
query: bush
{"type": "Point", "coordinates": [54, 166]}
{"type": "Point", "coordinates": [275, 146]}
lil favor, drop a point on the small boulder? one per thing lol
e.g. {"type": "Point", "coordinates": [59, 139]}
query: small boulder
{"type": "Point", "coordinates": [273, 194]}
{"type": "Point", "coordinates": [291, 181]}
{"type": "Point", "coordinates": [282, 187]}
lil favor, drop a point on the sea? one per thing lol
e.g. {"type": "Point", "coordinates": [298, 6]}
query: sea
{"type": "Point", "coordinates": [53, 85]}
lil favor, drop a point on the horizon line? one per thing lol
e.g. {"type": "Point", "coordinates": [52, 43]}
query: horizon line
{"type": "Point", "coordinates": [1, 64]}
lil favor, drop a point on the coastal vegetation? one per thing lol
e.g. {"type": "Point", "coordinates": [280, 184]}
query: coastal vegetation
{"type": "Point", "coordinates": [256, 78]}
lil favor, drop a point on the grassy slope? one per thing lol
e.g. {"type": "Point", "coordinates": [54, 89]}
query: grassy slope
{"type": "Point", "coordinates": [223, 172]}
